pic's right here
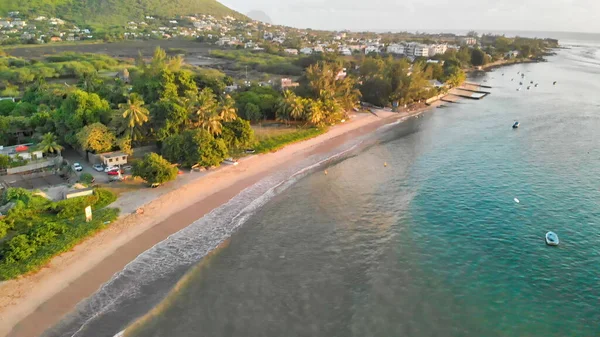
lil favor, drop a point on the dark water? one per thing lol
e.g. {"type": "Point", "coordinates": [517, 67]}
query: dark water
{"type": "Point", "coordinates": [434, 244]}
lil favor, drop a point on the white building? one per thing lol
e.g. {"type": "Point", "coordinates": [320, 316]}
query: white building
{"type": "Point", "coordinates": [371, 49]}
{"type": "Point", "coordinates": [223, 41]}
{"type": "Point", "coordinates": [306, 51]}
{"type": "Point", "coordinates": [470, 41]}
{"type": "Point", "coordinates": [396, 49]}
{"type": "Point", "coordinates": [416, 50]}
{"type": "Point", "coordinates": [436, 49]}
{"type": "Point", "coordinates": [345, 52]}
{"type": "Point", "coordinates": [291, 51]}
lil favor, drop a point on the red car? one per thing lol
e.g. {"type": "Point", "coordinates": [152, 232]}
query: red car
{"type": "Point", "coordinates": [114, 172]}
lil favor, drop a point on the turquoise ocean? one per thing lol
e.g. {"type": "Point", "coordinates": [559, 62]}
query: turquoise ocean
{"type": "Point", "coordinates": [434, 244]}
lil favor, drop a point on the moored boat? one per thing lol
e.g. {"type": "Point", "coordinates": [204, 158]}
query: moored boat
{"type": "Point", "coordinates": [552, 239]}
{"type": "Point", "coordinates": [516, 125]}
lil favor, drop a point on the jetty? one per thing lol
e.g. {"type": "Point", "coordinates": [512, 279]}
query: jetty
{"type": "Point", "coordinates": [470, 91]}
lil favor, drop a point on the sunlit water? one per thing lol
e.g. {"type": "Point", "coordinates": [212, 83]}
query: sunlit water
{"type": "Point", "coordinates": [431, 245]}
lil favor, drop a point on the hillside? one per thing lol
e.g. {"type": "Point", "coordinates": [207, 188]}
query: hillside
{"type": "Point", "coordinates": [259, 15]}
{"type": "Point", "coordinates": [115, 12]}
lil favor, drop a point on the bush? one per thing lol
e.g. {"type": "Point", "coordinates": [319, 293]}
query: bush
{"type": "Point", "coordinates": [154, 169]}
{"type": "Point", "coordinates": [86, 178]}
{"type": "Point", "coordinates": [45, 229]}
{"type": "Point", "coordinates": [237, 133]}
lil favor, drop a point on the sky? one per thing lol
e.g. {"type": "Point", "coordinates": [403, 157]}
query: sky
{"type": "Point", "coordinates": [430, 15]}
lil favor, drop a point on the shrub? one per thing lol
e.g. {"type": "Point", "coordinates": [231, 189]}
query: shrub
{"type": "Point", "coordinates": [86, 178]}
{"type": "Point", "coordinates": [154, 169]}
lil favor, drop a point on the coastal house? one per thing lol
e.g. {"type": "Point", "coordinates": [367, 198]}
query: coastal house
{"type": "Point", "coordinates": [287, 83]}
{"type": "Point", "coordinates": [416, 50]}
{"type": "Point", "coordinates": [306, 51]}
{"type": "Point", "coordinates": [123, 75]}
{"type": "Point", "coordinates": [436, 49]}
{"type": "Point", "coordinates": [397, 49]}
{"type": "Point", "coordinates": [22, 151]}
{"type": "Point", "coordinates": [469, 41]}
{"type": "Point", "coordinates": [113, 158]}
{"type": "Point", "coordinates": [291, 51]}
{"type": "Point", "coordinates": [512, 54]}
{"type": "Point", "coordinates": [371, 49]}
{"type": "Point", "coordinates": [345, 51]}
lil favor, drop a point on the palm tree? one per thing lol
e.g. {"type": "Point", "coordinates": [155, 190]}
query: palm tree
{"type": "Point", "coordinates": [316, 113]}
{"type": "Point", "coordinates": [226, 109]}
{"type": "Point", "coordinates": [135, 114]}
{"type": "Point", "coordinates": [48, 144]}
{"type": "Point", "coordinates": [205, 111]}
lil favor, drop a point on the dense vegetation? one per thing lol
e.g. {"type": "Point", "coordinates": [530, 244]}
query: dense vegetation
{"type": "Point", "coordinates": [104, 13]}
{"type": "Point", "coordinates": [154, 169]}
{"type": "Point", "coordinates": [36, 229]}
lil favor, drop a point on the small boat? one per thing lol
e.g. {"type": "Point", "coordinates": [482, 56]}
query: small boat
{"type": "Point", "coordinates": [528, 87]}
{"type": "Point", "coordinates": [516, 125]}
{"type": "Point", "coordinates": [520, 83]}
{"type": "Point", "coordinates": [518, 72]}
{"type": "Point", "coordinates": [512, 79]}
{"type": "Point", "coordinates": [552, 239]}
{"type": "Point", "coordinates": [531, 82]}
{"type": "Point", "coordinates": [230, 161]}
{"type": "Point", "coordinates": [519, 89]}
{"type": "Point", "coordinates": [536, 84]}
{"type": "Point", "coordinates": [554, 83]}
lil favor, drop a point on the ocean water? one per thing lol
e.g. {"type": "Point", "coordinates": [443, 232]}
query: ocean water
{"type": "Point", "coordinates": [433, 244]}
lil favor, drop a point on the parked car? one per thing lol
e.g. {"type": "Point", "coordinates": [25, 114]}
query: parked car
{"type": "Point", "coordinates": [77, 167]}
{"type": "Point", "coordinates": [98, 167]}
{"type": "Point", "coordinates": [114, 172]}
{"type": "Point", "coordinates": [127, 167]}
{"type": "Point", "coordinates": [110, 168]}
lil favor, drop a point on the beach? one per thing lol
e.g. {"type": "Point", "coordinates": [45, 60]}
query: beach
{"type": "Point", "coordinates": [33, 303]}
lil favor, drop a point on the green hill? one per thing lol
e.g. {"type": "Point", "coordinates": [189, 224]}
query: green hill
{"type": "Point", "coordinates": [115, 12]}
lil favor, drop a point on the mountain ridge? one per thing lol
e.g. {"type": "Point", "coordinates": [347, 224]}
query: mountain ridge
{"type": "Point", "coordinates": [115, 12]}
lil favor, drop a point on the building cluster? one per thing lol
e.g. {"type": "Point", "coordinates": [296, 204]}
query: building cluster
{"type": "Point", "coordinates": [16, 29]}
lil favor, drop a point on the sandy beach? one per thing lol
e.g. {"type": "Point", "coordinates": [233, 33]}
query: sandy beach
{"type": "Point", "coordinates": [31, 304]}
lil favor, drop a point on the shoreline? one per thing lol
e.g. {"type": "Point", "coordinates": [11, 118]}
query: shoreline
{"type": "Point", "coordinates": [26, 309]}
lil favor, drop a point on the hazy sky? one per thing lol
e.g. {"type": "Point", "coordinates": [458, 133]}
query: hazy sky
{"type": "Point", "coordinates": [540, 15]}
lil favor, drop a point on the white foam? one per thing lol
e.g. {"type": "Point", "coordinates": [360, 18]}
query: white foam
{"type": "Point", "coordinates": [188, 246]}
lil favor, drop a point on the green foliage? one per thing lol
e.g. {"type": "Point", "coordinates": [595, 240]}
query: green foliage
{"type": "Point", "coordinates": [43, 229]}
{"type": "Point", "coordinates": [198, 147]}
{"type": "Point", "coordinates": [96, 138]}
{"type": "Point", "coordinates": [478, 57]}
{"type": "Point", "coordinates": [154, 169]}
{"type": "Point", "coordinates": [49, 144]}
{"type": "Point", "coordinates": [106, 14]}
{"type": "Point", "coordinates": [376, 91]}
{"type": "Point", "coordinates": [6, 107]}
{"type": "Point", "coordinates": [277, 142]}
{"type": "Point", "coordinates": [86, 178]}
{"type": "Point", "coordinates": [4, 161]}
{"type": "Point", "coordinates": [237, 134]}
{"type": "Point", "coordinates": [262, 62]}
{"type": "Point", "coordinates": [265, 98]}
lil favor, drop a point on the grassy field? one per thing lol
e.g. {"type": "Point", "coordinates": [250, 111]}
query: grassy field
{"type": "Point", "coordinates": [273, 138]}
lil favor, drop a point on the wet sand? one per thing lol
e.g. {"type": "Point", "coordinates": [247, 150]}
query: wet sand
{"type": "Point", "coordinates": [33, 303]}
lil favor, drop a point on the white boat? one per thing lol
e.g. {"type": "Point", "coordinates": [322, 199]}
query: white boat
{"type": "Point", "coordinates": [230, 161]}
{"type": "Point", "coordinates": [552, 239]}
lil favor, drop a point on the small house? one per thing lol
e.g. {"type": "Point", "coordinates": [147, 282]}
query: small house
{"type": "Point", "coordinates": [114, 158]}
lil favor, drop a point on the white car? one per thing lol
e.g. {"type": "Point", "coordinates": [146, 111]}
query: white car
{"type": "Point", "coordinates": [77, 167]}
{"type": "Point", "coordinates": [98, 167]}
{"type": "Point", "coordinates": [110, 168]}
